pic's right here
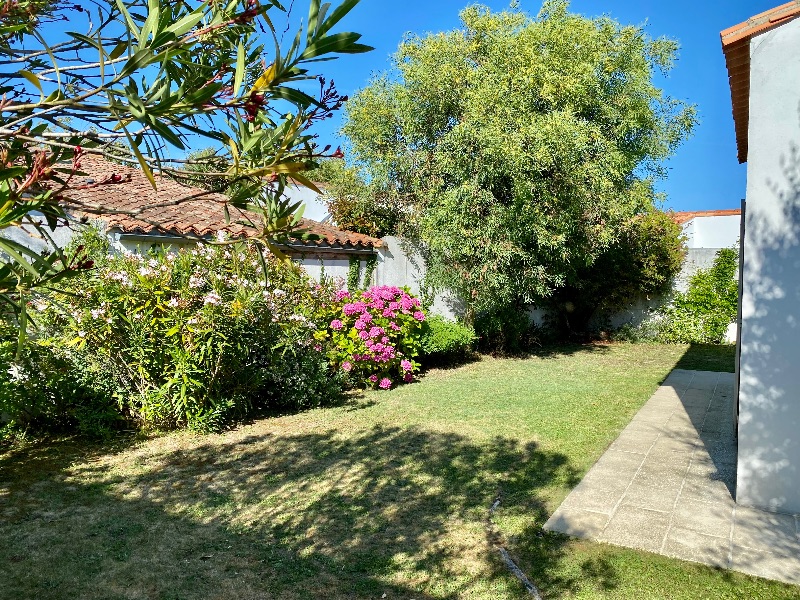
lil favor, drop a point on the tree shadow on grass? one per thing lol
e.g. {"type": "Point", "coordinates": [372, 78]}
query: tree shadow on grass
{"type": "Point", "coordinates": [308, 515]}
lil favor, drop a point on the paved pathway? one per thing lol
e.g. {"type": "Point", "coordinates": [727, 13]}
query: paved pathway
{"type": "Point", "coordinates": [666, 485]}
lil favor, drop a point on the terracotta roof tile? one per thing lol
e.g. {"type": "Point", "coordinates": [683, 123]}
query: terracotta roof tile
{"type": "Point", "coordinates": [118, 189]}
{"type": "Point", "coordinates": [684, 217]}
{"type": "Point", "coordinates": [736, 46]}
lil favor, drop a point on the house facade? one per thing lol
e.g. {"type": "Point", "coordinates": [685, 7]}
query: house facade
{"type": "Point", "coordinates": [120, 192]}
{"type": "Point", "coordinates": [763, 60]}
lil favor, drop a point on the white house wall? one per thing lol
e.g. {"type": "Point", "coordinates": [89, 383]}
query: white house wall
{"type": "Point", "coordinates": [315, 207]}
{"type": "Point", "coordinates": [400, 264]}
{"type": "Point", "coordinates": [335, 268]}
{"type": "Point", "coordinates": [717, 231]}
{"type": "Point", "coordinates": [768, 474]}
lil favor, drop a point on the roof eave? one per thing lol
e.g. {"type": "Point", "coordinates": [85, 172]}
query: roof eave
{"type": "Point", "coordinates": [736, 48]}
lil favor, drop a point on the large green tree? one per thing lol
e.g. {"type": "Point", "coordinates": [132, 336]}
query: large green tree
{"type": "Point", "coordinates": [519, 148]}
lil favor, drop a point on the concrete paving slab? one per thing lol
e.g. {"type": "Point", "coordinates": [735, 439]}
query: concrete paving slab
{"type": "Point", "coordinates": [635, 527]}
{"type": "Point", "coordinates": [580, 523]}
{"type": "Point", "coordinates": [643, 496]}
{"type": "Point", "coordinates": [765, 564]}
{"type": "Point", "coordinates": [705, 518]}
{"type": "Point", "coordinates": [690, 545]}
{"type": "Point", "coordinates": [666, 486]}
{"type": "Point", "coordinates": [758, 529]}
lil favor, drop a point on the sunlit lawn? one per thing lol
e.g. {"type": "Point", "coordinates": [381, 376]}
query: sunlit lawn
{"type": "Point", "coordinates": [386, 495]}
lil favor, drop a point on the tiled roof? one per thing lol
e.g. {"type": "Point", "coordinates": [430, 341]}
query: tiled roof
{"type": "Point", "coordinates": [736, 46]}
{"type": "Point", "coordinates": [116, 189]}
{"type": "Point", "coordinates": [684, 217]}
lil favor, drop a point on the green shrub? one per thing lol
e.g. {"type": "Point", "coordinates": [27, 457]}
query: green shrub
{"type": "Point", "coordinates": [702, 314]}
{"type": "Point", "coordinates": [507, 329]}
{"type": "Point", "coordinates": [445, 342]}
{"type": "Point", "coordinates": [42, 390]}
{"type": "Point", "coordinates": [195, 338]}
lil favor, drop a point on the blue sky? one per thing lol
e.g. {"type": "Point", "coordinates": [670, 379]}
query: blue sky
{"type": "Point", "coordinates": [705, 173]}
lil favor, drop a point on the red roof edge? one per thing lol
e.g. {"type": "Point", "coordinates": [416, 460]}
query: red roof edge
{"type": "Point", "coordinates": [736, 47]}
{"type": "Point", "coordinates": [684, 217]}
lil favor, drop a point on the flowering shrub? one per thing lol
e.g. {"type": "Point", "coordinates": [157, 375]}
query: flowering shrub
{"type": "Point", "coordinates": [374, 335]}
{"type": "Point", "coordinates": [196, 338]}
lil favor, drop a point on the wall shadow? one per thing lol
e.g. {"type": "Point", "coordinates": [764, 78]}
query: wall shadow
{"type": "Point", "coordinates": [313, 515]}
{"type": "Point", "coordinates": [769, 459]}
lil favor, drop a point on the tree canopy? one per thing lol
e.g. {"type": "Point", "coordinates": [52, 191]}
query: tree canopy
{"type": "Point", "coordinates": [142, 82]}
{"type": "Point", "coordinates": [519, 149]}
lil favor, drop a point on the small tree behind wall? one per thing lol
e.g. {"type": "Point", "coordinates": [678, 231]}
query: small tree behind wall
{"type": "Point", "coordinates": [705, 311]}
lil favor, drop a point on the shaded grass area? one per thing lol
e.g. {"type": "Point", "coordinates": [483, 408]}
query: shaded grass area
{"type": "Point", "coordinates": [386, 495]}
{"type": "Point", "coordinates": [709, 357]}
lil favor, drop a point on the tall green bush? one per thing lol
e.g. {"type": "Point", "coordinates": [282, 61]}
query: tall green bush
{"type": "Point", "coordinates": [195, 338]}
{"type": "Point", "coordinates": [517, 148]}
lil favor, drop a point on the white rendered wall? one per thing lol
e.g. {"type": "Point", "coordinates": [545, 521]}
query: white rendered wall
{"type": "Point", "coordinates": [334, 268]}
{"type": "Point", "coordinates": [400, 264]}
{"type": "Point", "coordinates": [717, 231]}
{"type": "Point", "coordinates": [768, 473]}
{"type": "Point", "coordinates": [315, 207]}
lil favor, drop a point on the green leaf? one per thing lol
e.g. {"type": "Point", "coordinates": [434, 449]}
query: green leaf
{"type": "Point", "coordinates": [342, 43]}
{"type": "Point", "coordinates": [337, 15]}
{"type": "Point", "coordinates": [32, 78]}
{"type": "Point", "coordinates": [132, 28]}
{"type": "Point", "coordinates": [142, 162]}
{"type": "Point", "coordinates": [140, 59]}
{"type": "Point", "coordinates": [118, 50]}
{"type": "Point", "coordinates": [294, 96]}
{"type": "Point", "coordinates": [240, 70]}
{"type": "Point", "coordinates": [151, 23]}
{"type": "Point", "coordinates": [313, 14]}
{"type": "Point", "coordinates": [187, 22]}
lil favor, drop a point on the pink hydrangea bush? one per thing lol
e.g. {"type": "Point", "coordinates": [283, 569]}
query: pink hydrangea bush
{"type": "Point", "coordinates": [374, 335]}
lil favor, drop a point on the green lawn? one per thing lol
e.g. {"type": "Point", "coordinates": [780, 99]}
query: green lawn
{"type": "Point", "coordinates": [388, 494]}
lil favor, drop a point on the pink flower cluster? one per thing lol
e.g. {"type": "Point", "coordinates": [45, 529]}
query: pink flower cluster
{"type": "Point", "coordinates": [383, 322]}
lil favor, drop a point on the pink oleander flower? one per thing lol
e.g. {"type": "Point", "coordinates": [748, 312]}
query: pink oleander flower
{"type": "Point", "coordinates": [317, 347]}
{"type": "Point", "coordinates": [364, 335]}
{"type": "Point", "coordinates": [366, 317]}
{"type": "Point", "coordinates": [407, 303]}
{"type": "Point", "coordinates": [373, 378]}
{"type": "Point", "coordinates": [385, 340]}
{"type": "Point", "coordinates": [395, 327]}
{"type": "Point", "coordinates": [336, 324]}
{"type": "Point", "coordinates": [375, 332]}
{"type": "Point", "coordinates": [395, 305]}
{"type": "Point", "coordinates": [419, 315]}
{"type": "Point", "coordinates": [378, 304]}
{"type": "Point", "coordinates": [385, 383]}
{"type": "Point", "coordinates": [347, 366]}
{"type": "Point", "coordinates": [389, 313]}
{"type": "Point", "coordinates": [360, 325]}
{"type": "Point", "coordinates": [342, 295]}
{"type": "Point", "coordinates": [406, 365]}
{"type": "Point", "coordinates": [408, 378]}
